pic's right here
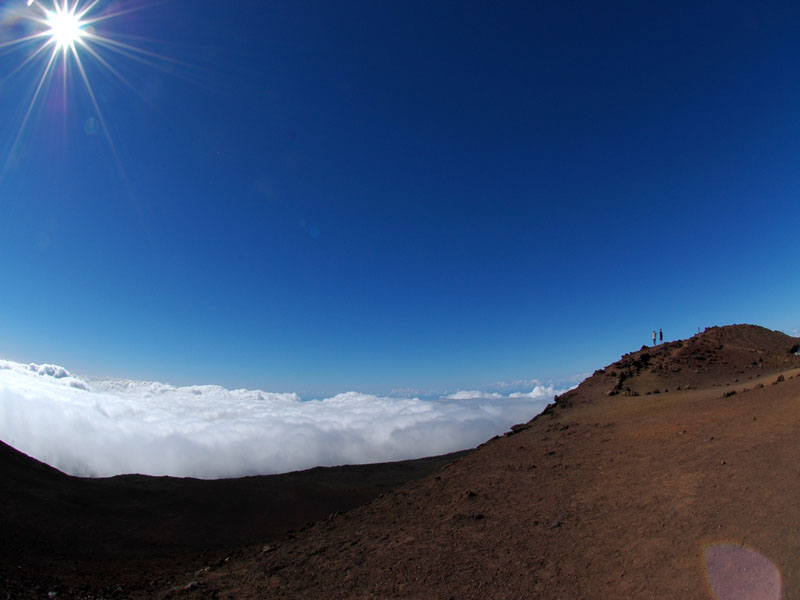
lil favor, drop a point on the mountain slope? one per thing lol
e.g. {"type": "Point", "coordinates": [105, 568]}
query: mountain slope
{"type": "Point", "coordinates": [638, 489]}
{"type": "Point", "coordinates": [62, 533]}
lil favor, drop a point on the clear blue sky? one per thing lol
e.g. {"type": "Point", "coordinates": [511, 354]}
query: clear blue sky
{"type": "Point", "coordinates": [325, 196]}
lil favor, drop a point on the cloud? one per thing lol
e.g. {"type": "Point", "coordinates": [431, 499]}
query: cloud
{"type": "Point", "coordinates": [472, 394]}
{"type": "Point", "coordinates": [109, 427]}
{"type": "Point", "coordinates": [540, 391]}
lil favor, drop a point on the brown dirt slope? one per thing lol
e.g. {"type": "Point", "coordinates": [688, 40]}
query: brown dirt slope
{"type": "Point", "coordinates": [672, 473]}
{"type": "Point", "coordinates": [85, 538]}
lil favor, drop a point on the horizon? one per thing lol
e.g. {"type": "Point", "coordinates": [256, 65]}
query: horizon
{"type": "Point", "coordinates": [317, 199]}
{"type": "Point", "coordinates": [486, 389]}
{"type": "Point", "coordinates": [94, 427]}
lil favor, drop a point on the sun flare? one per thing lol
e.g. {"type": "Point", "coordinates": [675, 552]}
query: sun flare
{"type": "Point", "coordinates": [66, 41]}
{"type": "Point", "coordinates": [66, 27]}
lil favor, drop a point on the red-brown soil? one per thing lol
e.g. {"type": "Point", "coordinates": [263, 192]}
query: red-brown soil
{"type": "Point", "coordinates": [672, 473]}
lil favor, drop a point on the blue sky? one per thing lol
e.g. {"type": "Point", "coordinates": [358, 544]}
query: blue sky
{"type": "Point", "coordinates": [325, 196]}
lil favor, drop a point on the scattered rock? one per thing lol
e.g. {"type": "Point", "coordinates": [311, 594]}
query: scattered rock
{"type": "Point", "coordinates": [466, 517]}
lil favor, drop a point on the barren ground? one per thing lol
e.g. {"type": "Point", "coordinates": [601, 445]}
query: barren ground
{"type": "Point", "coordinates": [672, 473]}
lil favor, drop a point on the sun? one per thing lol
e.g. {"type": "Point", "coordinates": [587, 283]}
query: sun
{"type": "Point", "coordinates": [60, 39]}
{"type": "Point", "coordinates": [66, 27]}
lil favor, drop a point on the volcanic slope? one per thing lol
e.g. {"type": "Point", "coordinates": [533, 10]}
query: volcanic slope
{"type": "Point", "coordinates": [117, 536]}
{"type": "Point", "coordinates": [672, 473]}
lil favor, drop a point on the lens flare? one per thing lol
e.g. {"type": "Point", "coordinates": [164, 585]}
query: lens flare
{"type": "Point", "coordinates": [61, 38]}
{"type": "Point", "coordinates": [735, 572]}
{"type": "Point", "coordinates": [66, 27]}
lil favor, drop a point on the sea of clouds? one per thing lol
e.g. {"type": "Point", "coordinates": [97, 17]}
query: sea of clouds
{"type": "Point", "coordinates": [99, 428]}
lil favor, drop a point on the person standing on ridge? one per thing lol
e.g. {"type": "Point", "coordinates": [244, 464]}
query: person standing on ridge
{"type": "Point", "coordinates": [654, 337]}
{"type": "Point", "coordinates": [660, 335]}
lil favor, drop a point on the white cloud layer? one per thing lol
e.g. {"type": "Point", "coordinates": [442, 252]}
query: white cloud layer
{"type": "Point", "coordinates": [539, 392]}
{"type": "Point", "coordinates": [108, 427]}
